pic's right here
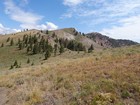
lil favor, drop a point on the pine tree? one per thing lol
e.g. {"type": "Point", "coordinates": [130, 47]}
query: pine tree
{"type": "Point", "coordinates": [101, 44]}
{"type": "Point", "coordinates": [53, 35]}
{"type": "Point", "coordinates": [26, 41]}
{"type": "Point", "coordinates": [15, 63]}
{"type": "Point", "coordinates": [28, 61]}
{"type": "Point", "coordinates": [83, 34]}
{"type": "Point", "coordinates": [19, 41]}
{"type": "Point", "coordinates": [79, 47]}
{"type": "Point", "coordinates": [28, 49]}
{"type": "Point", "coordinates": [61, 49]}
{"type": "Point", "coordinates": [2, 45]}
{"type": "Point", "coordinates": [55, 49]}
{"type": "Point", "coordinates": [20, 46]}
{"type": "Point", "coordinates": [47, 32]}
{"type": "Point", "coordinates": [84, 49]}
{"type": "Point", "coordinates": [11, 67]}
{"type": "Point", "coordinates": [49, 47]}
{"type": "Point", "coordinates": [32, 64]}
{"type": "Point", "coordinates": [90, 49]}
{"type": "Point", "coordinates": [31, 46]}
{"type": "Point", "coordinates": [76, 33]}
{"type": "Point", "coordinates": [12, 42]}
{"type": "Point", "coordinates": [35, 39]}
{"type": "Point", "coordinates": [43, 45]}
{"type": "Point", "coordinates": [24, 37]}
{"type": "Point", "coordinates": [66, 43]}
{"type": "Point", "coordinates": [47, 54]}
{"type": "Point", "coordinates": [56, 40]}
{"type": "Point", "coordinates": [35, 49]}
{"type": "Point", "coordinates": [71, 45]}
{"type": "Point", "coordinates": [8, 39]}
{"type": "Point", "coordinates": [39, 47]}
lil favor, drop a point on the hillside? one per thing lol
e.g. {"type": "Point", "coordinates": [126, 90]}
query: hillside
{"type": "Point", "coordinates": [108, 77]}
{"type": "Point", "coordinates": [66, 67]}
{"type": "Point", "coordinates": [10, 53]}
{"type": "Point", "coordinates": [109, 42]}
{"type": "Point", "coordinates": [70, 37]}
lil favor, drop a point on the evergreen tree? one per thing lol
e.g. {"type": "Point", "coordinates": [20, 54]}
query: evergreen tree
{"type": "Point", "coordinates": [19, 41]}
{"type": "Point", "coordinates": [32, 64]}
{"type": "Point", "coordinates": [39, 47]}
{"type": "Point", "coordinates": [15, 63]}
{"type": "Point", "coordinates": [26, 41]}
{"type": "Point", "coordinates": [24, 37]}
{"type": "Point", "coordinates": [90, 49]}
{"type": "Point", "coordinates": [101, 44]}
{"type": "Point", "coordinates": [49, 47]}
{"type": "Point", "coordinates": [53, 35]}
{"type": "Point", "coordinates": [83, 34]}
{"type": "Point", "coordinates": [2, 45]}
{"type": "Point", "coordinates": [43, 45]}
{"type": "Point", "coordinates": [76, 33]}
{"type": "Point", "coordinates": [35, 39]}
{"type": "Point", "coordinates": [56, 40]}
{"type": "Point", "coordinates": [80, 47]}
{"type": "Point", "coordinates": [55, 49]}
{"type": "Point", "coordinates": [84, 49]}
{"type": "Point", "coordinates": [47, 54]}
{"type": "Point", "coordinates": [61, 41]}
{"type": "Point", "coordinates": [30, 41]}
{"type": "Point", "coordinates": [61, 49]}
{"type": "Point", "coordinates": [71, 45]}
{"type": "Point", "coordinates": [28, 49]}
{"type": "Point", "coordinates": [20, 46]}
{"type": "Point", "coordinates": [41, 31]}
{"type": "Point", "coordinates": [47, 32]}
{"type": "Point", "coordinates": [12, 42]}
{"type": "Point", "coordinates": [8, 39]}
{"type": "Point", "coordinates": [11, 67]}
{"type": "Point", "coordinates": [28, 61]}
{"type": "Point", "coordinates": [66, 42]}
{"type": "Point", "coordinates": [17, 66]}
{"type": "Point", "coordinates": [35, 49]}
{"type": "Point", "coordinates": [31, 46]}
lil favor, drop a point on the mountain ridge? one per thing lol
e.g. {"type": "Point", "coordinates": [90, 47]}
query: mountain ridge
{"type": "Point", "coordinates": [107, 41]}
{"type": "Point", "coordinates": [98, 40]}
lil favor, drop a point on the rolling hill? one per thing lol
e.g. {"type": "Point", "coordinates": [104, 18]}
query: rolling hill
{"type": "Point", "coordinates": [9, 54]}
{"type": "Point", "coordinates": [108, 75]}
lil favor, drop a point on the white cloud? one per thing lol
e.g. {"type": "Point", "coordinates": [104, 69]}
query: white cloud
{"type": "Point", "coordinates": [51, 26]}
{"type": "Point", "coordinates": [20, 15]}
{"type": "Point", "coordinates": [47, 25]}
{"type": "Point", "coordinates": [72, 2]}
{"type": "Point", "coordinates": [102, 8]}
{"type": "Point", "coordinates": [5, 30]}
{"type": "Point", "coordinates": [27, 19]}
{"type": "Point", "coordinates": [128, 30]}
{"type": "Point", "coordinates": [113, 16]}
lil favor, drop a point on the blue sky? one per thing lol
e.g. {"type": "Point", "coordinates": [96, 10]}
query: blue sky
{"type": "Point", "coordinates": [114, 18]}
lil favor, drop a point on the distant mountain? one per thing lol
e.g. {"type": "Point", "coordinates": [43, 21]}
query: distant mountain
{"type": "Point", "coordinates": [108, 42]}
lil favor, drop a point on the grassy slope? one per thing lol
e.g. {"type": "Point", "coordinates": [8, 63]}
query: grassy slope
{"type": "Point", "coordinates": [108, 77]}
{"type": "Point", "coordinates": [8, 54]}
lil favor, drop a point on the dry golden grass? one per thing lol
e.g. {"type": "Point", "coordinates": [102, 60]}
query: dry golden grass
{"type": "Point", "coordinates": [109, 77]}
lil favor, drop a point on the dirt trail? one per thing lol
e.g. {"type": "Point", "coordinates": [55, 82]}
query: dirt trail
{"type": "Point", "coordinates": [3, 96]}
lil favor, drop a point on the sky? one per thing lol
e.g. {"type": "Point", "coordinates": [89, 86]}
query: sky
{"type": "Point", "coordinates": [118, 19]}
